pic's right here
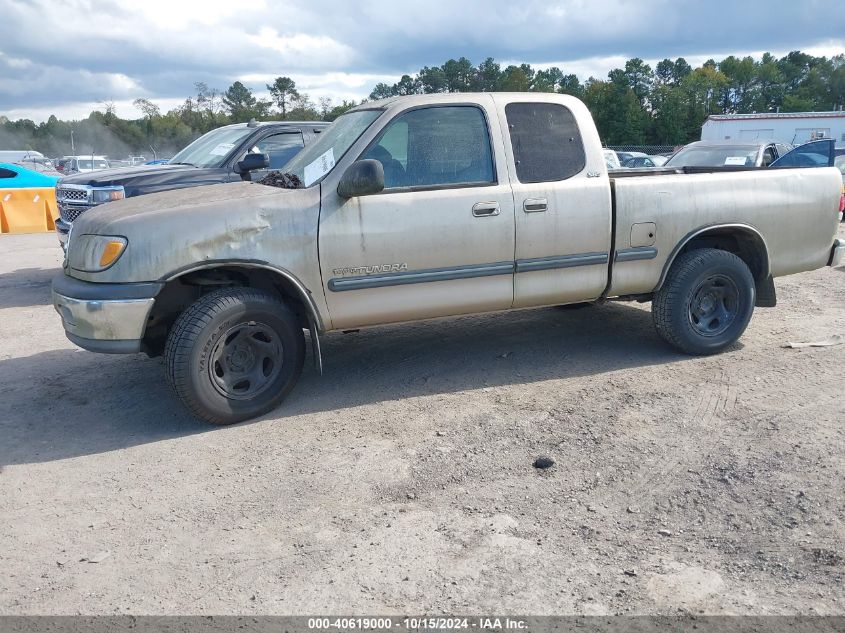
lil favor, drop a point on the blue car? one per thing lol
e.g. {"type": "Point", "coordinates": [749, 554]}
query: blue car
{"type": "Point", "coordinates": [16, 177]}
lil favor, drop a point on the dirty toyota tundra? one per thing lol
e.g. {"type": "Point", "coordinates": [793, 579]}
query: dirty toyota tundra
{"type": "Point", "coordinates": [428, 206]}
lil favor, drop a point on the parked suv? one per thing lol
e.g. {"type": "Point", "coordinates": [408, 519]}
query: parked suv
{"type": "Point", "coordinates": [218, 156]}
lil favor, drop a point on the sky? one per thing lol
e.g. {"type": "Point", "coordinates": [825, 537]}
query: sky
{"type": "Point", "coordinates": [70, 57]}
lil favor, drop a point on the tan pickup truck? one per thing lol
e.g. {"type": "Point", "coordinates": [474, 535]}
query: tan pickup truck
{"type": "Point", "coordinates": [427, 206]}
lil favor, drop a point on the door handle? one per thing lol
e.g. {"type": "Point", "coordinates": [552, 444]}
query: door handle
{"type": "Point", "coordinates": [535, 205]}
{"type": "Point", "coordinates": [485, 209]}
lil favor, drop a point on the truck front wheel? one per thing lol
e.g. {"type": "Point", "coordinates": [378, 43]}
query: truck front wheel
{"type": "Point", "coordinates": [234, 354]}
{"type": "Point", "coordinates": [706, 302]}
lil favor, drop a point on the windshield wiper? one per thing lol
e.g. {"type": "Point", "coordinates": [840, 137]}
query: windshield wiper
{"type": "Point", "coordinates": [190, 164]}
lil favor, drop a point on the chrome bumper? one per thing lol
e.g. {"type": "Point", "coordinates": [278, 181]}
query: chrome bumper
{"type": "Point", "coordinates": [837, 253]}
{"type": "Point", "coordinates": [112, 326]}
{"type": "Point", "coordinates": [62, 230]}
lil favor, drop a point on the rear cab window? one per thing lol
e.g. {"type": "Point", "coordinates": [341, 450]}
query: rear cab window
{"type": "Point", "coordinates": [546, 142]}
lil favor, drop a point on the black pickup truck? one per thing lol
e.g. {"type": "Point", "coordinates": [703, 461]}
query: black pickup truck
{"type": "Point", "coordinates": [243, 151]}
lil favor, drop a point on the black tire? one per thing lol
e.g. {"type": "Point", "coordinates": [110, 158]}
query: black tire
{"type": "Point", "coordinates": [705, 303]}
{"type": "Point", "coordinates": [249, 329]}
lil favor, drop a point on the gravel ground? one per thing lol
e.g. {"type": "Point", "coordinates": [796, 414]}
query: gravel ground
{"type": "Point", "coordinates": [401, 481]}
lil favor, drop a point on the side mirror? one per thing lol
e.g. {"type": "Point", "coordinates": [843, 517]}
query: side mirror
{"type": "Point", "coordinates": [252, 162]}
{"type": "Point", "coordinates": [362, 178]}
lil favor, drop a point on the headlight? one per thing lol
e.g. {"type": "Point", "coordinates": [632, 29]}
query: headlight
{"type": "Point", "coordinates": [107, 194]}
{"type": "Point", "coordinates": [94, 253]}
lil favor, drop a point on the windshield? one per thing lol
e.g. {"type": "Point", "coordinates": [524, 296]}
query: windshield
{"type": "Point", "coordinates": [318, 159]}
{"type": "Point", "coordinates": [719, 156]}
{"type": "Point", "coordinates": [839, 161]}
{"type": "Point", "coordinates": [92, 164]}
{"type": "Point", "coordinates": [210, 150]}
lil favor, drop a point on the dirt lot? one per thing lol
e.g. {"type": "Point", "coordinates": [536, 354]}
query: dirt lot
{"type": "Point", "coordinates": [402, 482]}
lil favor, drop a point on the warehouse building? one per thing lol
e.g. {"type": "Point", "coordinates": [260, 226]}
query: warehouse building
{"type": "Point", "coordinates": [783, 127]}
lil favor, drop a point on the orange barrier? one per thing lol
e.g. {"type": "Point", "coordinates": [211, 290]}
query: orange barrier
{"type": "Point", "coordinates": [28, 210]}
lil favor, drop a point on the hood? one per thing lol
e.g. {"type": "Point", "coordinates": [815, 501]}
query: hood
{"type": "Point", "coordinates": [105, 217]}
{"type": "Point", "coordinates": [146, 177]}
{"type": "Point", "coordinates": [176, 230]}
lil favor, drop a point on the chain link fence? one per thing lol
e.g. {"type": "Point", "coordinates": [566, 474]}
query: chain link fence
{"type": "Point", "coordinates": [651, 150]}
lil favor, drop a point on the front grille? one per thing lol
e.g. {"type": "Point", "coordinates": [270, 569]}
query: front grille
{"type": "Point", "coordinates": [71, 194]}
{"type": "Point", "coordinates": [70, 212]}
{"type": "Point", "coordinates": [72, 202]}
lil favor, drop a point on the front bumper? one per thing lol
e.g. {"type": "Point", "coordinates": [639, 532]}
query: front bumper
{"type": "Point", "coordinates": [837, 253]}
{"type": "Point", "coordinates": [63, 232]}
{"type": "Point", "coordinates": [62, 228]}
{"type": "Point", "coordinates": [106, 318]}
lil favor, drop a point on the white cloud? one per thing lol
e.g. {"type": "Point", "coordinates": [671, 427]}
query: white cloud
{"type": "Point", "coordinates": [61, 57]}
{"type": "Point", "coordinates": [14, 62]}
{"type": "Point", "coordinates": [303, 49]}
{"type": "Point", "coordinates": [180, 15]}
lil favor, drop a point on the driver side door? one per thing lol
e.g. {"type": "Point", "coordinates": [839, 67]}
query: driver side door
{"type": "Point", "coordinates": [439, 239]}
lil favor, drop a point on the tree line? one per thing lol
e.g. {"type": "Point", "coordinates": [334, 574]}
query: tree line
{"type": "Point", "coordinates": [665, 105]}
{"type": "Point", "coordinates": [158, 134]}
{"type": "Point", "coordinates": [636, 105]}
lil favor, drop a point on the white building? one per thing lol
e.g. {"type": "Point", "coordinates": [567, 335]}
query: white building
{"type": "Point", "coordinates": [784, 127]}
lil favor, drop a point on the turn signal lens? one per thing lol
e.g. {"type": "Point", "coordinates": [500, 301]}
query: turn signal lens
{"type": "Point", "coordinates": [93, 253]}
{"type": "Point", "coordinates": [111, 252]}
{"type": "Point", "coordinates": [107, 194]}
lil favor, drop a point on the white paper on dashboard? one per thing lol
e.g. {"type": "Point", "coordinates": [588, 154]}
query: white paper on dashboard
{"type": "Point", "coordinates": [735, 160]}
{"type": "Point", "coordinates": [319, 168]}
{"type": "Point", "coordinates": [222, 149]}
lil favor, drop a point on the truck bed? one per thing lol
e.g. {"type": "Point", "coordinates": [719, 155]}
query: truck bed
{"type": "Point", "coordinates": [780, 206]}
{"type": "Point", "coordinates": [626, 172]}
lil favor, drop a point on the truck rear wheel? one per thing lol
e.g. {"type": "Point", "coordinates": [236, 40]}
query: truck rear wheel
{"type": "Point", "coordinates": [705, 303]}
{"type": "Point", "coordinates": [234, 354]}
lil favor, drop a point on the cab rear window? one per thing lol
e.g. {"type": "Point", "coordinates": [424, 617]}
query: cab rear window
{"type": "Point", "coordinates": [546, 142]}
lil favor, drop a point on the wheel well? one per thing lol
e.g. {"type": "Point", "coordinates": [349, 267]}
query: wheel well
{"type": "Point", "coordinates": [742, 242]}
{"type": "Point", "coordinates": [179, 293]}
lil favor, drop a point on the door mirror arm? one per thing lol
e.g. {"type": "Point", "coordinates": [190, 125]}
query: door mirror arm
{"type": "Point", "coordinates": [250, 163]}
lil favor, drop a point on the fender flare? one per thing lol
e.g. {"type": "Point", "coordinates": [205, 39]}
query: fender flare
{"type": "Point", "coordinates": [304, 294]}
{"type": "Point", "coordinates": [746, 228]}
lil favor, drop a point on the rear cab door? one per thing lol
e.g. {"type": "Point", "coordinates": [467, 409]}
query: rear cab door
{"type": "Point", "coordinates": [562, 201]}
